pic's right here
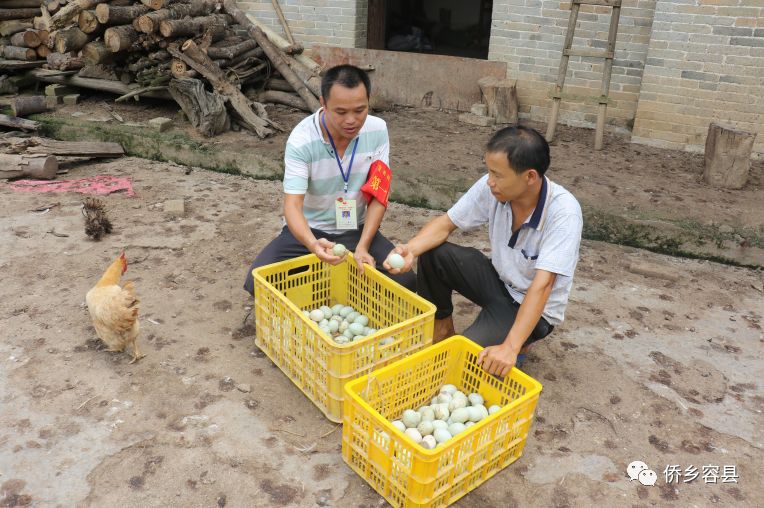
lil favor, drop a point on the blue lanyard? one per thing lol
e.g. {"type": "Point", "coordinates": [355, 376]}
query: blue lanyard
{"type": "Point", "coordinates": [345, 177]}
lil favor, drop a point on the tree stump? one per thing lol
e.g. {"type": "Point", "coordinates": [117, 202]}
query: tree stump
{"type": "Point", "coordinates": [206, 111]}
{"type": "Point", "coordinates": [728, 156]}
{"type": "Point", "coordinates": [500, 95]}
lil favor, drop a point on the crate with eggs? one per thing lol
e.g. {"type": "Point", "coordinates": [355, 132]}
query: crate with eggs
{"type": "Point", "coordinates": [430, 427]}
{"type": "Point", "coordinates": [325, 325]}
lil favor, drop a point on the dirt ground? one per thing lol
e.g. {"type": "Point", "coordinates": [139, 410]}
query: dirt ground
{"type": "Point", "coordinates": [633, 194]}
{"type": "Point", "coordinates": [666, 372]}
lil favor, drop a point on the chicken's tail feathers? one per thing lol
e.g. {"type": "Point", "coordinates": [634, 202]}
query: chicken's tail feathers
{"type": "Point", "coordinates": [132, 303]}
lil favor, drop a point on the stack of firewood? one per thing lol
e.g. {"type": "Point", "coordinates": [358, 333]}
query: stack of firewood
{"type": "Point", "coordinates": [33, 157]}
{"type": "Point", "coordinates": [217, 63]}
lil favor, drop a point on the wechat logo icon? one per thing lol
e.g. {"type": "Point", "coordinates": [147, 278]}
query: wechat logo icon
{"type": "Point", "coordinates": [640, 471]}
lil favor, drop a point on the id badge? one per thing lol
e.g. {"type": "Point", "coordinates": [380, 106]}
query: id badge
{"type": "Point", "coordinates": [346, 213]}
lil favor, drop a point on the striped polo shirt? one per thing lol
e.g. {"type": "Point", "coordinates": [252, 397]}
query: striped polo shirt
{"type": "Point", "coordinates": [548, 240]}
{"type": "Point", "coordinates": [310, 168]}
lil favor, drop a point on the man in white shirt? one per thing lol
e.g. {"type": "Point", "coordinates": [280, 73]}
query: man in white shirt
{"type": "Point", "coordinates": [534, 227]}
{"type": "Point", "coordinates": [327, 161]}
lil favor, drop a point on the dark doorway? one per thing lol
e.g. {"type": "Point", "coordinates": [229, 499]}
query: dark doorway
{"type": "Point", "coordinates": [440, 27]}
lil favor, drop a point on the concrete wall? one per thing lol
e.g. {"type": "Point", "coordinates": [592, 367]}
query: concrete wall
{"type": "Point", "coordinates": [331, 22]}
{"type": "Point", "coordinates": [705, 62]}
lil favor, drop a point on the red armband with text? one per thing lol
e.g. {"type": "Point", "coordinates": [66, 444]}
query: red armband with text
{"type": "Point", "coordinates": [377, 184]}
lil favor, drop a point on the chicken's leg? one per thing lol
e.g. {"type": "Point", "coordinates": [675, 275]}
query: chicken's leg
{"type": "Point", "coordinates": [136, 354]}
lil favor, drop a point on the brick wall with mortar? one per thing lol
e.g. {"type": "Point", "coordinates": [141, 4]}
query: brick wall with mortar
{"type": "Point", "coordinates": [330, 22]}
{"type": "Point", "coordinates": [705, 63]}
{"type": "Point", "coordinates": [678, 65]}
{"type": "Point", "coordinates": [529, 34]}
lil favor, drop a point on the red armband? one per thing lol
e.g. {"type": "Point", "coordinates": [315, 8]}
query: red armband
{"type": "Point", "coordinates": [377, 184]}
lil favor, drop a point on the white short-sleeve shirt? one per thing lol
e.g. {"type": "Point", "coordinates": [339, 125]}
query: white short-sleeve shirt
{"type": "Point", "coordinates": [548, 240]}
{"type": "Point", "coordinates": [310, 168]}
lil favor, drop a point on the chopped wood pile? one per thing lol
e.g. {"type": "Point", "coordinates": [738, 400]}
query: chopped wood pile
{"type": "Point", "coordinates": [35, 157]}
{"type": "Point", "coordinates": [218, 63]}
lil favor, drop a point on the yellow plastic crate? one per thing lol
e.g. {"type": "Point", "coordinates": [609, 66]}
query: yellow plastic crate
{"type": "Point", "coordinates": [314, 362]}
{"type": "Point", "coordinates": [409, 475]}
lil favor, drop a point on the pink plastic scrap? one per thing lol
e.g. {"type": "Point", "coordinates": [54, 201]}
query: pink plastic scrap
{"type": "Point", "coordinates": [101, 184]}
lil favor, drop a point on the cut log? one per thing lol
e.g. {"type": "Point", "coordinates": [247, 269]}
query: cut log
{"type": "Point", "coordinates": [251, 54]}
{"type": "Point", "coordinates": [277, 97]}
{"type": "Point", "coordinates": [310, 80]}
{"type": "Point", "coordinates": [12, 65]}
{"type": "Point", "coordinates": [120, 38]}
{"type": "Point", "coordinates": [149, 23]}
{"type": "Point", "coordinates": [279, 85]}
{"type": "Point", "coordinates": [42, 22]}
{"type": "Point", "coordinates": [11, 84]}
{"type": "Point", "coordinates": [140, 64]}
{"type": "Point", "coordinates": [282, 43]}
{"type": "Point", "coordinates": [6, 14]}
{"type": "Point", "coordinates": [96, 52]}
{"type": "Point", "coordinates": [13, 26]}
{"type": "Point", "coordinates": [17, 53]}
{"type": "Point", "coordinates": [201, 63]}
{"type": "Point", "coordinates": [64, 61]}
{"type": "Point", "coordinates": [158, 4]}
{"type": "Point", "coordinates": [24, 105]}
{"type": "Point", "coordinates": [284, 24]}
{"type": "Point", "coordinates": [70, 11]}
{"type": "Point", "coordinates": [500, 95]}
{"type": "Point", "coordinates": [28, 166]}
{"type": "Point", "coordinates": [44, 36]}
{"type": "Point", "coordinates": [18, 123]}
{"type": "Point", "coordinates": [70, 39]}
{"type": "Point", "coordinates": [52, 6]}
{"type": "Point", "coordinates": [206, 111]}
{"type": "Point", "coordinates": [75, 148]}
{"type": "Point", "coordinates": [277, 58]}
{"type": "Point", "coordinates": [728, 156]}
{"type": "Point", "coordinates": [16, 4]}
{"type": "Point", "coordinates": [160, 56]}
{"type": "Point", "coordinates": [179, 69]}
{"type": "Point", "coordinates": [193, 26]}
{"type": "Point", "coordinates": [88, 22]}
{"type": "Point", "coordinates": [111, 15]}
{"type": "Point", "coordinates": [229, 52]}
{"type": "Point", "coordinates": [26, 39]}
{"type": "Point", "coordinates": [43, 51]}
{"type": "Point", "coordinates": [103, 85]}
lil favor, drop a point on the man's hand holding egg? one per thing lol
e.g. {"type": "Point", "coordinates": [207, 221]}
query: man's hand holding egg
{"type": "Point", "coordinates": [400, 260]}
{"type": "Point", "coordinates": [329, 252]}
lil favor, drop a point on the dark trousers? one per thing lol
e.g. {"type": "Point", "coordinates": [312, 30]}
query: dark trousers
{"type": "Point", "coordinates": [286, 246]}
{"type": "Point", "coordinates": [449, 268]}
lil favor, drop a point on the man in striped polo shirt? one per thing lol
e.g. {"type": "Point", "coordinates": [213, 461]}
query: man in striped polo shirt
{"type": "Point", "coordinates": [327, 161]}
{"type": "Point", "coordinates": [534, 228]}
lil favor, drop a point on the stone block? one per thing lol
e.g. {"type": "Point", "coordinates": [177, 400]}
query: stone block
{"type": "Point", "coordinates": [160, 123]}
{"type": "Point", "coordinates": [52, 101]}
{"type": "Point", "coordinates": [59, 90]}
{"type": "Point", "coordinates": [482, 121]}
{"type": "Point", "coordinates": [176, 207]}
{"type": "Point", "coordinates": [479, 109]}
